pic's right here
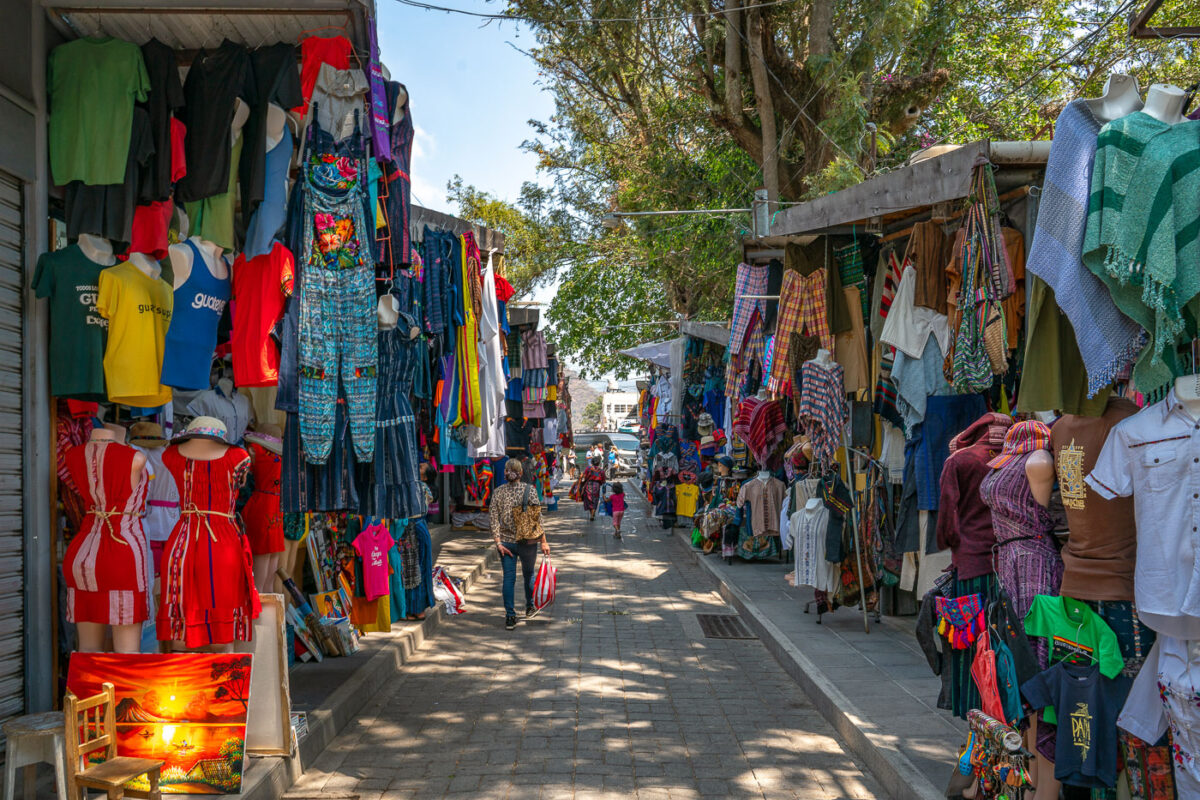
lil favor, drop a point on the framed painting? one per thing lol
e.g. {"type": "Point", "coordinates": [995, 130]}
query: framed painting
{"type": "Point", "coordinates": [269, 726]}
{"type": "Point", "coordinates": [331, 605]}
{"type": "Point", "coordinates": [185, 709]}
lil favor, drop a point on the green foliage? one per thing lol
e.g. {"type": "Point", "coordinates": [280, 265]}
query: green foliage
{"type": "Point", "coordinates": [592, 412]}
{"type": "Point", "coordinates": [233, 750]}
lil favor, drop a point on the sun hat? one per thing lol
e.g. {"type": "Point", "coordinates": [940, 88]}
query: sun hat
{"type": "Point", "coordinates": [1024, 437]}
{"type": "Point", "coordinates": [705, 424]}
{"type": "Point", "coordinates": [147, 434]}
{"type": "Point", "coordinates": [204, 428]}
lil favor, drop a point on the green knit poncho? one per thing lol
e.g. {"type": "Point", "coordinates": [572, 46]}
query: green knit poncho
{"type": "Point", "coordinates": [1153, 267]}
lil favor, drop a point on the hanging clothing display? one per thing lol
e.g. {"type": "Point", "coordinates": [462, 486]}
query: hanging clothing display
{"type": "Point", "coordinates": [397, 493]}
{"type": "Point", "coordinates": [215, 82]}
{"type": "Point", "coordinates": [71, 281]}
{"type": "Point", "coordinates": [260, 287]}
{"type": "Point", "coordinates": [192, 334]}
{"type": "Point", "coordinates": [264, 521]}
{"type": "Point", "coordinates": [138, 310]}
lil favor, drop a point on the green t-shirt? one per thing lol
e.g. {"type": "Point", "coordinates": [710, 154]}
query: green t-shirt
{"type": "Point", "coordinates": [1074, 633]}
{"type": "Point", "coordinates": [93, 84]}
{"type": "Point", "coordinates": [77, 331]}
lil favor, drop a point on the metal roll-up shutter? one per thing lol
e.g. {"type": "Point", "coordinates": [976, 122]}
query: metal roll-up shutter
{"type": "Point", "coordinates": [12, 577]}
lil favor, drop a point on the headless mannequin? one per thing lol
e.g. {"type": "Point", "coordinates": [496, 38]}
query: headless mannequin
{"type": "Point", "coordinates": [1165, 102]}
{"type": "Point", "coordinates": [266, 564]}
{"type": "Point", "coordinates": [149, 267]}
{"type": "Point", "coordinates": [203, 450]}
{"type": "Point", "coordinates": [277, 119]}
{"type": "Point", "coordinates": [813, 505]}
{"type": "Point", "coordinates": [240, 114]}
{"type": "Point", "coordinates": [823, 358]}
{"type": "Point", "coordinates": [1187, 392]}
{"type": "Point", "coordinates": [97, 249]}
{"type": "Point", "coordinates": [1121, 97]}
{"type": "Point", "coordinates": [93, 635]}
{"type": "Point", "coordinates": [763, 475]}
{"type": "Point", "coordinates": [1039, 470]}
{"type": "Point", "coordinates": [181, 260]}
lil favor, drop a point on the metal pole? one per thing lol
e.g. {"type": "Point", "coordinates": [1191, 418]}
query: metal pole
{"type": "Point", "coordinates": [862, 586]}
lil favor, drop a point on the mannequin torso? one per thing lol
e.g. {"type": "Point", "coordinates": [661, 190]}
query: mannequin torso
{"type": "Point", "coordinates": [106, 436]}
{"type": "Point", "coordinates": [1165, 102]}
{"type": "Point", "coordinates": [1039, 469]}
{"type": "Point", "coordinates": [97, 249]}
{"type": "Point", "coordinates": [1187, 392]}
{"type": "Point", "coordinates": [202, 449]}
{"type": "Point", "coordinates": [1121, 97]}
{"type": "Point", "coordinates": [240, 114]}
{"type": "Point", "coordinates": [823, 358]}
{"type": "Point", "coordinates": [181, 260]}
{"type": "Point", "coordinates": [149, 267]}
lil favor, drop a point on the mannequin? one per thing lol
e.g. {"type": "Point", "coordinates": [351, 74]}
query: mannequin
{"type": "Point", "coordinates": [387, 311]}
{"type": "Point", "coordinates": [241, 113]}
{"type": "Point", "coordinates": [118, 432]}
{"type": "Point", "coordinates": [264, 523]}
{"type": "Point", "coordinates": [97, 249]}
{"type": "Point", "coordinates": [92, 636]}
{"type": "Point", "coordinates": [763, 475]}
{"type": "Point", "coordinates": [1187, 392]}
{"type": "Point", "coordinates": [149, 267]}
{"type": "Point", "coordinates": [1121, 97]}
{"type": "Point", "coordinates": [181, 260]}
{"type": "Point", "coordinates": [277, 119]}
{"type": "Point", "coordinates": [1039, 469]}
{"type": "Point", "coordinates": [823, 358]}
{"type": "Point", "coordinates": [1165, 102]}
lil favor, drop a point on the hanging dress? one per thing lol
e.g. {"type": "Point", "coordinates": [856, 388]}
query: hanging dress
{"type": "Point", "coordinates": [264, 522]}
{"type": "Point", "coordinates": [106, 567]}
{"type": "Point", "coordinates": [207, 594]}
{"type": "Point", "coordinates": [397, 492]}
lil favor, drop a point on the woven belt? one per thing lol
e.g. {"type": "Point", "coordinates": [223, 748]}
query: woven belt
{"type": "Point", "coordinates": [107, 516]}
{"type": "Point", "coordinates": [204, 515]}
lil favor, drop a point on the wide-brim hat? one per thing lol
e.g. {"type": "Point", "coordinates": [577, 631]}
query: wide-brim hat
{"type": "Point", "coordinates": [267, 440]}
{"type": "Point", "coordinates": [1024, 437]}
{"type": "Point", "coordinates": [204, 428]}
{"type": "Point", "coordinates": [147, 434]}
{"type": "Point", "coordinates": [705, 423]}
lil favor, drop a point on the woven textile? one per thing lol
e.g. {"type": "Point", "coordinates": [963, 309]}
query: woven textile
{"type": "Point", "coordinates": [751, 280]}
{"type": "Point", "coordinates": [1158, 248]}
{"type": "Point", "coordinates": [887, 279]}
{"type": "Point", "coordinates": [760, 424]}
{"type": "Point", "coordinates": [1108, 340]}
{"type": "Point", "coordinates": [822, 409]}
{"type": "Point", "coordinates": [850, 267]}
{"type": "Point", "coordinates": [927, 253]}
{"type": "Point", "coordinates": [801, 308]}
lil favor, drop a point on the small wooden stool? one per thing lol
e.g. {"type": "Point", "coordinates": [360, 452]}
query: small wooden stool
{"type": "Point", "coordinates": [35, 739]}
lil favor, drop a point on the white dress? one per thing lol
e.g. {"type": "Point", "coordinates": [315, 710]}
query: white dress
{"type": "Point", "coordinates": [808, 527]}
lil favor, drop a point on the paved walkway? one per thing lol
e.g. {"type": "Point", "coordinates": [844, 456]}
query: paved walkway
{"type": "Point", "coordinates": [612, 693]}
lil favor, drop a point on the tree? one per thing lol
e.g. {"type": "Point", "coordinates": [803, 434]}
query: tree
{"type": "Point", "coordinates": [592, 412]}
{"type": "Point", "coordinates": [233, 750]}
{"type": "Point", "coordinates": [234, 676]}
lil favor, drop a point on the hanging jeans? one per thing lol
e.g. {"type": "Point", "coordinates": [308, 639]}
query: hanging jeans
{"type": "Point", "coordinates": [337, 298]}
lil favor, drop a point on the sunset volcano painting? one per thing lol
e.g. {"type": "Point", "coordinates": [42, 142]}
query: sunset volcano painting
{"type": "Point", "coordinates": [185, 709]}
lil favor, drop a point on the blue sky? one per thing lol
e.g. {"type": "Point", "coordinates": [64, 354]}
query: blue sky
{"type": "Point", "coordinates": [472, 95]}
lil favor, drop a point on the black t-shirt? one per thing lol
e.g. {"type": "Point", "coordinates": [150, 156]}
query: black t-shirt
{"type": "Point", "coordinates": [214, 83]}
{"type": "Point", "coordinates": [165, 98]}
{"type": "Point", "coordinates": [516, 436]}
{"type": "Point", "coordinates": [1087, 704]}
{"type": "Point", "coordinates": [276, 80]}
{"type": "Point", "coordinates": [107, 210]}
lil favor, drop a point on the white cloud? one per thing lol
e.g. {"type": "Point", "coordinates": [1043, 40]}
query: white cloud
{"type": "Point", "coordinates": [424, 145]}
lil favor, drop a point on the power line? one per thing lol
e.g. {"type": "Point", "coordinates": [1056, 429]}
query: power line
{"type": "Point", "coordinates": [577, 21]}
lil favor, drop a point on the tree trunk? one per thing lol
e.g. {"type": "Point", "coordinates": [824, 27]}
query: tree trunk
{"type": "Point", "coordinates": [820, 26]}
{"type": "Point", "coordinates": [766, 108]}
{"type": "Point", "coordinates": [733, 59]}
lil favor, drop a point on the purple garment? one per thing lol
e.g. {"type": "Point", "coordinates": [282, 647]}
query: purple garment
{"type": "Point", "coordinates": [381, 144]}
{"type": "Point", "coordinates": [1027, 559]}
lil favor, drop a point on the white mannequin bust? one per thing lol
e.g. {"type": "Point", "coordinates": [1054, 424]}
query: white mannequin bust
{"type": "Point", "coordinates": [241, 113]}
{"type": "Point", "coordinates": [763, 475]}
{"type": "Point", "coordinates": [181, 260]}
{"type": "Point", "coordinates": [1121, 97]}
{"type": "Point", "coordinates": [97, 249]}
{"type": "Point", "coordinates": [277, 120]}
{"type": "Point", "coordinates": [813, 505]}
{"type": "Point", "coordinates": [1187, 392]}
{"type": "Point", "coordinates": [1164, 102]}
{"type": "Point", "coordinates": [149, 267]}
{"type": "Point", "coordinates": [823, 358]}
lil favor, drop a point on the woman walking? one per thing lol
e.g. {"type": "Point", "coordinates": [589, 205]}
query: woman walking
{"type": "Point", "coordinates": [512, 494]}
{"type": "Point", "coordinates": [593, 481]}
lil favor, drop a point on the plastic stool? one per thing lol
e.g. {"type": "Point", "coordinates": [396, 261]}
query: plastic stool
{"type": "Point", "coordinates": [35, 739]}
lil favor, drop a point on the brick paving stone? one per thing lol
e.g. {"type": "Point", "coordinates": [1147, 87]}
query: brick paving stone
{"type": "Point", "coordinates": [611, 693]}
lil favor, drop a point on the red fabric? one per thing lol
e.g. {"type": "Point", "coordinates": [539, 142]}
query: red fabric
{"type": "Point", "coordinates": [264, 522]}
{"type": "Point", "coordinates": [261, 287]}
{"type": "Point", "coordinates": [106, 569]}
{"type": "Point", "coordinates": [178, 158]}
{"type": "Point", "coordinates": [82, 409]}
{"type": "Point", "coordinates": [207, 582]}
{"type": "Point", "coordinates": [315, 51]}
{"type": "Point", "coordinates": [964, 522]}
{"type": "Point", "coordinates": [983, 671]}
{"type": "Point", "coordinates": [151, 222]}
{"type": "Point", "coordinates": [504, 289]}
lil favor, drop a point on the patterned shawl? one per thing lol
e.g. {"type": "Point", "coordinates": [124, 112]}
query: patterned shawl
{"type": "Point", "coordinates": [1108, 340]}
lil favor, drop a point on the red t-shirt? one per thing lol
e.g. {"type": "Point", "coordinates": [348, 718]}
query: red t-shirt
{"type": "Point", "coordinates": [261, 287]}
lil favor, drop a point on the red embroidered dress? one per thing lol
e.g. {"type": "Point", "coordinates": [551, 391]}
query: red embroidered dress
{"type": "Point", "coordinates": [106, 568]}
{"type": "Point", "coordinates": [264, 522]}
{"type": "Point", "coordinates": [207, 593]}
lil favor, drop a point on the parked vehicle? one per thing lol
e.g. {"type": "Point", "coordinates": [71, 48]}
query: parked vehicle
{"type": "Point", "coordinates": [630, 426]}
{"type": "Point", "coordinates": [629, 454]}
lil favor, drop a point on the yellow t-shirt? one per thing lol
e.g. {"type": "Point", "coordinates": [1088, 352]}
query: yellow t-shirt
{"type": "Point", "coordinates": [686, 495]}
{"type": "Point", "coordinates": [138, 310]}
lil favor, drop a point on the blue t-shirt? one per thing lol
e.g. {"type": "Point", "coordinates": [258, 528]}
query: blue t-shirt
{"type": "Point", "coordinates": [1085, 752]}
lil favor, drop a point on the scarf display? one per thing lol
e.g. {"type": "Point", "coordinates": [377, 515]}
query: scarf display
{"type": "Point", "coordinates": [1108, 340]}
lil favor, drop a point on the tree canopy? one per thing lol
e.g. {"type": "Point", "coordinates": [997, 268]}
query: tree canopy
{"type": "Point", "coordinates": [692, 104]}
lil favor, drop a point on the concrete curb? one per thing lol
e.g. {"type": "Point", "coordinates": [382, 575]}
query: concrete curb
{"type": "Point", "coordinates": [270, 778]}
{"type": "Point", "coordinates": [899, 777]}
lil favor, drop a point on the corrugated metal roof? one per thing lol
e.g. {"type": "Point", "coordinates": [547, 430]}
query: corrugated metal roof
{"type": "Point", "coordinates": [196, 24]}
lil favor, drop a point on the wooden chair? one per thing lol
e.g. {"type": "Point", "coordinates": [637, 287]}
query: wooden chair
{"type": "Point", "coordinates": [91, 726]}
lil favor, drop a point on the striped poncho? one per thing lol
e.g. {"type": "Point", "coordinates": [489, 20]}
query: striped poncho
{"type": "Point", "coordinates": [1157, 252]}
{"type": "Point", "coordinates": [1108, 340]}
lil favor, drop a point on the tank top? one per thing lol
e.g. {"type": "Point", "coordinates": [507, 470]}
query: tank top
{"type": "Point", "coordinates": [192, 337]}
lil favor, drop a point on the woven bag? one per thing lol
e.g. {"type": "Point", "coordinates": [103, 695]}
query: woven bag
{"type": "Point", "coordinates": [527, 519]}
{"type": "Point", "coordinates": [995, 337]}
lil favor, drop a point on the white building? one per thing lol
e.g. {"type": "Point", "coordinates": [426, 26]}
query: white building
{"type": "Point", "coordinates": [617, 405]}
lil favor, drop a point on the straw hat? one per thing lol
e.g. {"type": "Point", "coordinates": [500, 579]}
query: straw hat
{"type": "Point", "coordinates": [204, 428]}
{"type": "Point", "coordinates": [147, 434]}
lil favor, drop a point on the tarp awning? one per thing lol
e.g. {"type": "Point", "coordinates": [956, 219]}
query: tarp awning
{"type": "Point", "coordinates": [658, 353]}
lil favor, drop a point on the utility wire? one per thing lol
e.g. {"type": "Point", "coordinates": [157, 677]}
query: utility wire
{"type": "Point", "coordinates": [579, 20]}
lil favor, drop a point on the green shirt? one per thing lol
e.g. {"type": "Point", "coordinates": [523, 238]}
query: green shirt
{"type": "Point", "coordinates": [77, 331]}
{"type": "Point", "coordinates": [93, 84]}
{"type": "Point", "coordinates": [1075, 633]}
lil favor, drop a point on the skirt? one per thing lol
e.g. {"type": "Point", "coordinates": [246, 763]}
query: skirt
{"type": "Point", "coordinates": [107, 573]}
{"type": "Point", "coordinates": [964, 695]}
{"type": "Point", "coordinates": [207, 585]}
{"type": "Point", "coordinates": [264, 523]}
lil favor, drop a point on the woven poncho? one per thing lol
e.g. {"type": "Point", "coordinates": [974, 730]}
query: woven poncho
{"type": "Point", "coordinates": [1156, 259]}
{"type": "Point", "coordinates": [1108, 340]}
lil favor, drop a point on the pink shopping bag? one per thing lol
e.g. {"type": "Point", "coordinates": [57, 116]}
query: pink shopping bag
{"type": "Point", "coordinates": [543, 585]}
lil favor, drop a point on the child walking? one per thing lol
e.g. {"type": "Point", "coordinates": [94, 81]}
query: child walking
{"type": "Point", "coordinates": [618, 507]}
